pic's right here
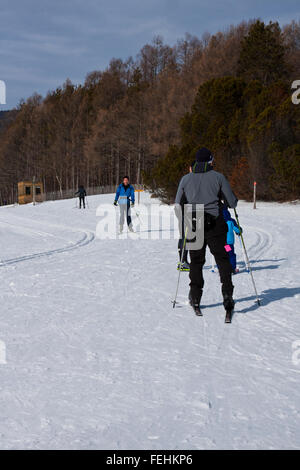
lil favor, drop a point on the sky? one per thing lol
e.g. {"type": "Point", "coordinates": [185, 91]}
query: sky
{"type": "Point", "coordinates": [44, 42]}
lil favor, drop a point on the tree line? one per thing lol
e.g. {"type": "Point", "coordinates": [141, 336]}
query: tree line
{"type": "Point", "coordinates": [146, 117]}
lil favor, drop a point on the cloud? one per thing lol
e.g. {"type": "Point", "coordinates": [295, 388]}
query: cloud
{"type": "Point", "coordinates": [42, 43]}
{"type": "Point", "coordinates": [31, 45]}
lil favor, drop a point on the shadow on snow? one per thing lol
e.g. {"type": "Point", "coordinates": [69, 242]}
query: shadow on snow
{"type": "Point", "coordinates": [267, 297]}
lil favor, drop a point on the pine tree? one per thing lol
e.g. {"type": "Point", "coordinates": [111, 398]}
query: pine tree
{"type": "Point", "coordinates": [262, 54]}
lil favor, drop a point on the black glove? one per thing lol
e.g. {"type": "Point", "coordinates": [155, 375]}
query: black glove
{"type": "Point", "coordinates": [132, 204]}
{"type": "Point", "coordinates": [241, 231]}
{"type": "Point", "coordinates": [115, 203]}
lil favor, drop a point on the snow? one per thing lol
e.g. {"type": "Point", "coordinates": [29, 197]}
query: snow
{"type": "Point", "coordinates": [97, 358]}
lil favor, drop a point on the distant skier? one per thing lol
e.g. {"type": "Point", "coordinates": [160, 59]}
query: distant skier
{"type": "Point", "coordinates": [82, 195]}
{"type": "Point", "coordinates": [205, 186]}
{"type": "Point", "coordinates": [232, 227]}
{"type": "Point", "coordinates": [125, 197]}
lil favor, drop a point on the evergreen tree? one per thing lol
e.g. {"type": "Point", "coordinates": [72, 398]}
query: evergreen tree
{"type": "Point", "coordinates": [262, 54]}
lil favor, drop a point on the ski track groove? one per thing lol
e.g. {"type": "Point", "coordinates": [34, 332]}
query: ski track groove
{"type": "Point", "coordinates": [220, 407]}
{"type": "Point", "coordinates": [88, 237]}
{"type": "Point", "coordinates": [221, 343]}
{"type": "Point", "coordinates": [264, 243]}
{"type": "Point", "coordinates": [221, 410]}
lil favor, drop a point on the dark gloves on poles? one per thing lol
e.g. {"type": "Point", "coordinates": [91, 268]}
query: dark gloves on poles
{"type": "Point", "coordinates": [115, 203]}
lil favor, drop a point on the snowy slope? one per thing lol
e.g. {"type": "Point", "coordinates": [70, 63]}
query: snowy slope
{"type": "Point", "coordinates": [97, 358]}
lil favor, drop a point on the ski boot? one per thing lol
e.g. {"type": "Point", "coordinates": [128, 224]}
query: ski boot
{"type": "Point", "coordinates": [228, 303]}
{"type": "Point", "coordinates": [184, 266]}
{"type": "Point", "coordinates": [195, 304]}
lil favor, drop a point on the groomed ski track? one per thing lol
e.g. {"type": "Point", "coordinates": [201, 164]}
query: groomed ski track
{"type": "Point", "coordinates": [97, 358]}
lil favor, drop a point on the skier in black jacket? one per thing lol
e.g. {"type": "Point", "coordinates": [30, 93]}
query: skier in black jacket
{"type": "Point", "coordinates": [82, 194]}
{"type": "Point", "coordinates": [205, 186]}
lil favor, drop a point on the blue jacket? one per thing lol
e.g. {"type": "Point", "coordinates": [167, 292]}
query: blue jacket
{"type": "Point", "coordinates": [126, 194]}
{"type": "Point", "coordinates": [232, 226]}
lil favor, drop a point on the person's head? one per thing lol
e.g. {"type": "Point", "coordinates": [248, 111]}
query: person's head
{"type": "Point", "coordinates": [203, 156]}
{"type": "Point", "coordinates": [126, 180]}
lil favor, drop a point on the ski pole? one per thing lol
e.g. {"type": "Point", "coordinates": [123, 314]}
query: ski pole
{"type": "Point", "coordinates": [87, 203]}
{"type": "Point", "coordinates": [181, 258]}
{"type": "Point", "coordinates": [247, 258]}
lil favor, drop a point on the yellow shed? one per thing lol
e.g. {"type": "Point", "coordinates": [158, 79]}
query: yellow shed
{"type": "Point", "coordinates": [30, 192]}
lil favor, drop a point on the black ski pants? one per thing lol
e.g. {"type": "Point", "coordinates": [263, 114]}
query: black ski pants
{"type": "Point", "coordinates": [215, 237]}
{"type": "Point", "coordinates": [81, 201]}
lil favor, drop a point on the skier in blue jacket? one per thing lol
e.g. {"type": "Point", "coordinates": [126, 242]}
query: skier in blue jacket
{"type": "Point", "coordinates": [232, 227]}
{"type": "Point", "coordinates": [125, 197]}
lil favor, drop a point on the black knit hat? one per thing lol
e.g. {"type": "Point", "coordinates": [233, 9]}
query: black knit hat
{"type": "Point", "coordinates": [204, 155]}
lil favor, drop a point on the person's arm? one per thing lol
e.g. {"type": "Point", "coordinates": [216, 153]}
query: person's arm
{"type": "Point", "coordinates": [180, 199]}
{"type": "Point", "coordinates": [117, 194]}
{"type": "Point", "coordinates": [238, 230]}
{"type": "Point", "coordinates": [227, 194]}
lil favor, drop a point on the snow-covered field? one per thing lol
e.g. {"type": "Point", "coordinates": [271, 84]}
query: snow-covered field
{"type": "Point", "coordinates": [97, 358]}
